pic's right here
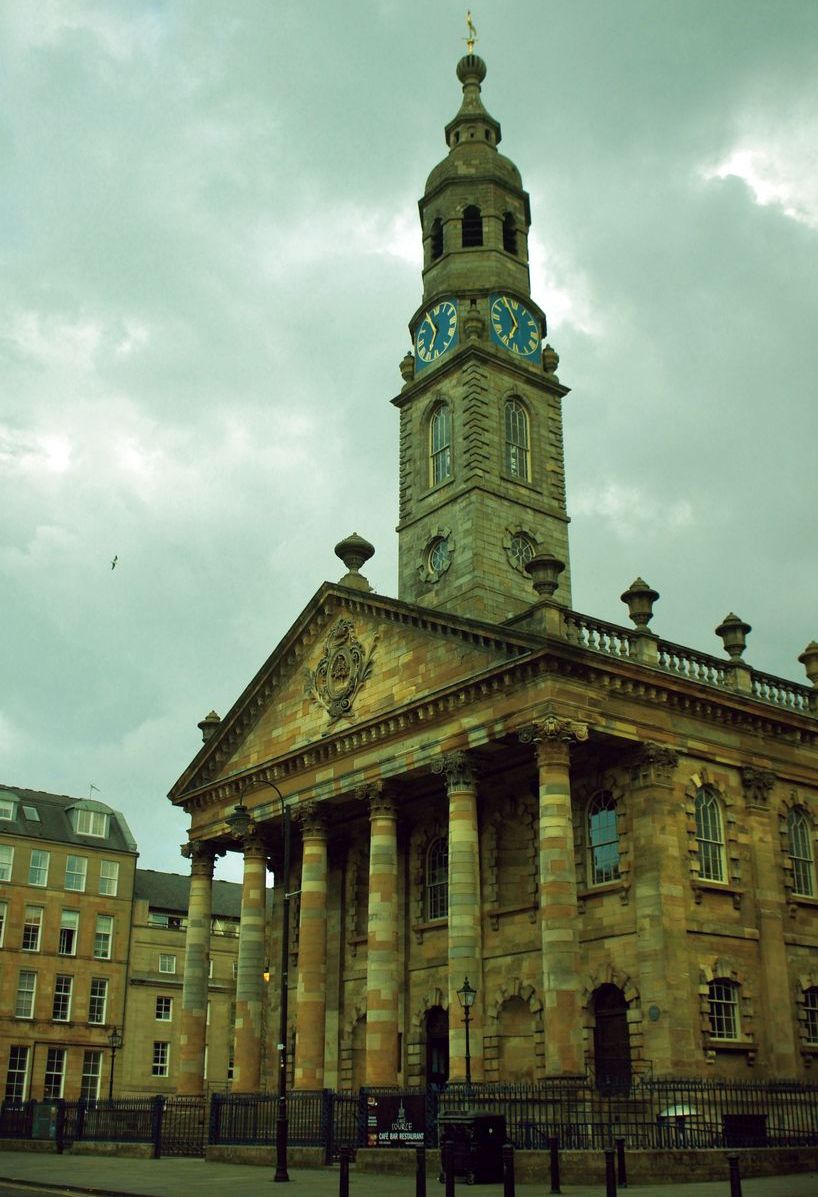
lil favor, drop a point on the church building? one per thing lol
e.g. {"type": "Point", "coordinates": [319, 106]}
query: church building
{"type": "Point", "coordinates": [609, 836]}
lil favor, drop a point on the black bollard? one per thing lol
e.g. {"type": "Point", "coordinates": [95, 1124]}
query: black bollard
{"type": "Point", "coordinates": [448, 1169]}
{"type": "Point", "coordinates": [735, 1176]}
{"type": "Point", "coordinates": [554, 1148]}
{"type": "Point", "coordinates": [610, 1172]}
{"type": "Point", "coordinates": [508, 1170]}
{"type": "Point", "coordinates": [420, 1172]}
{"type": "Point", "coordinates": [343, 1158]}
{"type": "Point", "coordinates": [621, 1172]}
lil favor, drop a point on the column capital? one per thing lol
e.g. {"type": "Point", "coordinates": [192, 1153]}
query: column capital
{"type": "Point", "coordinates": [458, 768]}
{"type": "Point", "coordinates": [254, 847]}
{"type": "Point", "coordinates": [202, 857]}
{"type": "Point", "coordinates": [380, 800]}
{"type": "Point", "coordinates": [653, 764]}
{"type": "Point", "coordinates": [312, 819]}
{"type": "Point", "coordinates": [757, 784]}
{"type": "Point", "coordinates": [551, 734]}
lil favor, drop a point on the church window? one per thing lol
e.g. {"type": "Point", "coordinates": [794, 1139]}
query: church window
{"type": "Point", "coordinates": [437, 238]}
{"type": "Point", "coordinates": [800, 850]}
{"type": "Point", "coordinates": [722, 996]}
{"type": "Point", "coordinates": [516, 429]}
{"type": "Point", "coordinates": [440, 443]}
{"type": "Point", "coordinates": [472, 226]}
{"type": "Point", "coordinates": [811, 1014]}
{"type": "Point", "coordinates": [437, 879]}
{"type": "Point", "coordinates": [710, 836]}
{"type": "Point", "coordinates": [603, 839]}
{"type": "Point", "coordinates": [439, 555]}
{"type": "Point", "coordinates": [509, 234]}
{"type": "Point", "coordinates": [521, 550]}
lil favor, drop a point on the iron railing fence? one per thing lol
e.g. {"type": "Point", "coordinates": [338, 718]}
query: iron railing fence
{"type": "Point", "coordinates": [662, 1113]}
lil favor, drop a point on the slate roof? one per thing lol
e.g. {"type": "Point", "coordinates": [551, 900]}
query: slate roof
{"type": "Point", "coordinates": [169, 891]}
{"type": "Point", "coordinates": [54, 823]}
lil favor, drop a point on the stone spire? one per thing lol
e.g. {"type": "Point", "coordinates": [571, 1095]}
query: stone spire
{"type": "Point", "coordinates": [472, 121]}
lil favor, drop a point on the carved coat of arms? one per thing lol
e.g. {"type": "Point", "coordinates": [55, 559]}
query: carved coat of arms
{"type": "Point", "coordinates": [342, 670]}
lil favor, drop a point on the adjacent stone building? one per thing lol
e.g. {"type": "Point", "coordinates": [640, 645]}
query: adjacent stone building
{"type": "Point", "coordinates": [92, 947]}
{"type": "Point", "coordinates": [610, 835]}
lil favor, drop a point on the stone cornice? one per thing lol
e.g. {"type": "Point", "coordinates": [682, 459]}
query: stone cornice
{"type": "Point", "coordinates": [610, 675]}
{"type": "Point", "coordinates": [502, 362]}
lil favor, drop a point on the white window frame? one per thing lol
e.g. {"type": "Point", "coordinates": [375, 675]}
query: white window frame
{"type": "Point", "coordinates": [710, 836]}
{"type": "Point", "coordinates": [17, 1077]}
{"type": "Point", "coordinates": [73, 871]}
{"type": "Point", "coordinates": [39, 870]}
{"type": "Point", "coordinates": [164, 957]}
{"type": "Point", "coordinates": [602, 836]}
{"type": "Point", "coordinates": [65, 926]}
{"type": "Point", "coordinates": [8, 808]}
{"type": "Point", "coordinates": [104, 937]}
{"type": "Point", "coordinates": [89, 822]}
{"type": "Point", "coordinates": [30, 922]}
{"type": "Point", "coordinates": [161, 1058]}
{"type": "Point", "coordinates": [55, 1056]}
{"type": "Point", "coordinates": [63, 994]}
{"type": "Point", "coordinates": [94, 1000]}
{"type": "Point", "coordinates": [163, 1010]}
{"type": "Point", "coordinates": [517, 439]}
{"type": "Point", "coordinates": [4, 911]}
{"type": "Point", "coordinates": [6, 862]}
{"type": "Point", "coordinates": [440, 444]}
{"type": "Point", "coordinates": [91, 1074]}
{"type": "Point", "coordinates": [799, 845]}
{"type": "Point", "coordinates": [723, 997]}
{"type": "Point", "coordinates": [109, 878]}
{"type": "Point", "coordinates": [26, 997]}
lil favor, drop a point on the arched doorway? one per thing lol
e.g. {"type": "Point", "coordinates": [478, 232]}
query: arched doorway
{"type": "Point", "coordinates": [612, 1045]}
{"type": "Point", "coordinates": [437, 1046]}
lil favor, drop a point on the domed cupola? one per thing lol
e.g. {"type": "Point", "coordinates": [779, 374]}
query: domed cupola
{"type": "Point", "coordinates": [474, 212]}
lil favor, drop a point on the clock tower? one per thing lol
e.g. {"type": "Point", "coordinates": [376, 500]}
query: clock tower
{"type": "Point", "coordinates": [482, 487]}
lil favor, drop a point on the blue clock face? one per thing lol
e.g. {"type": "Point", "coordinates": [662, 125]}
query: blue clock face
{"type": "Point", "coordinates": [513, 326]}
{"type": "Point", "coordinates": [436, 332]}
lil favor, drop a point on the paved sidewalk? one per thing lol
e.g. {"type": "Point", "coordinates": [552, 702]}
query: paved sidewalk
{"type": "Point", "coordinates": [195, 1178]}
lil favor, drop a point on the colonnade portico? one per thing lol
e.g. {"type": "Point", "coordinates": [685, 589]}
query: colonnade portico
{"type": "Point", "coordinates": [387, 974]}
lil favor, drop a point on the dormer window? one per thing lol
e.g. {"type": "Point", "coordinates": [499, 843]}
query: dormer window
{"type": "Point", "coordinates": [436, 243]}
{"type": "Point", "coordinates": [89, 822]}
{"type": "Point", "coordinates": [509, 234]}
{"type": "Point", "coordinates": [7, 808]}
{"type": "Point", "coordinates": [472, 225]}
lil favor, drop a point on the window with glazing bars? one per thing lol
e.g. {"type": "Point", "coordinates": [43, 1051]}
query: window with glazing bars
{"type": "Point", "coordinates": [17, 1074]}
{"type": "Point", "coordinates": [91, 1073]}
{"type": "Point", "coordinates": [54, 1073]}
{"type": "Point", "coordinates": [108, 877]}
{"type": "Point", "coordinates": [516, 428]}
{"type": "Point", "coordinates": [69, 929]}
{"type": "Point", "coordinates": [6, 862]}
{"type": "Point", "coordinates": [32, 927]}
{"type": "Point", "coordinates": [103, 936]}
{"type": "Point", "coordinates": [603, 839]}
{"type": "Point", "coordinates": [724, 1018]}
{"type": "Point", "coordinates": [38, 867]}
{"type": "Point", "coordinates": [61, 1010]}
{"type": "Point", "coordinates": [710, 836]}
{"type": "Point", "coordinates": [800, 846]}
{"type": "Point", "coordinates": [437, 879]}
{"type": "Point", "coordinates": [440, 440]}
{"type": "Point", "coordinates": [97, 1000]}
{"type": "Point", "coordinates": [26, 991]}
{"type": "Point", "coordinates": [76, 868]}
{"type": "Point", "coordinates": [161, 1058]}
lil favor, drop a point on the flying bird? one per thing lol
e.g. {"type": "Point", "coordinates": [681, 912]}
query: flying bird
{"type": "Point", "coordinates": [113, 563]}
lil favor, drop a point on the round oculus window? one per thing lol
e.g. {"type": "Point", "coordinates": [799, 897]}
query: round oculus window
{"type": "Point", "coordinates": [439, 555]}
{"type": "Point", "coordinates": [520, 550]}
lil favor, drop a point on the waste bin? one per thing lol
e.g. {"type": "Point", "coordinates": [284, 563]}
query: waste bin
{"type": "Point", "coordinates": [477, 1146]}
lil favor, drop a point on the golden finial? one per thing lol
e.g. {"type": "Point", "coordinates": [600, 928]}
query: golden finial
{"type": "Point", "coordinates": [472, 38]}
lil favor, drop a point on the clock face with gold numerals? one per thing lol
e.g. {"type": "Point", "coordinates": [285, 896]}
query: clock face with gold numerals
{"type": "Point", "coordinates": [513, 326]}
{"type": "Point", "coordinates": [437, 331]}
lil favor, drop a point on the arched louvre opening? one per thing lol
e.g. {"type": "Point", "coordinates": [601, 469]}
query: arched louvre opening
{"type": "Point", "coordinates": [509, 234]}
{"type": "Point", "coordinates": [437, 238]}
{"type": "Point", "coordinates": [612, 1045]}
{"type": "Point", "coordinates": [472, 226]}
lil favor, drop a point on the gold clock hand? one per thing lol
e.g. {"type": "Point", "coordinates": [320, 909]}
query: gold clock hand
{"type": "Point", "coordinates": [433, 327]}
{"type": "Point", "coordinates": [513, 317]}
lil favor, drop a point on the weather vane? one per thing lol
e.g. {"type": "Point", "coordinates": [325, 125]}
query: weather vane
{"type": "Point", "coordinates": [472, 38]}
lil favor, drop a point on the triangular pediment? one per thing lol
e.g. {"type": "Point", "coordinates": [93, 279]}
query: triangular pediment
{"type": "Point", "coordinates": [350, 658]}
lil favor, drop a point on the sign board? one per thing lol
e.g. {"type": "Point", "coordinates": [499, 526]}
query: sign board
{"type": "Point", "coordinates": [395, 1120]}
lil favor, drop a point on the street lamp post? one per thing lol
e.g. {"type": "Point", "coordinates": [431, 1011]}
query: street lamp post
{"type": "Point", "coordinates": [466, 996]}
{"type": "Point", "coordinates": [115, 1040]}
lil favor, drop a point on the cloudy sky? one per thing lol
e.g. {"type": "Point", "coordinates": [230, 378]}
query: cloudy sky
{"type": "Point", "coordinates": [208, 255]}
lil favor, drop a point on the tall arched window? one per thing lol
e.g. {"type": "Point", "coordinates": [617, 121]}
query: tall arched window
{"type": "Point", "coordinates": [509, 234]}
{"type": "Point", "coordinates": [437, 879]}
{"type": "Point", "coordinates": [799, 843]}
{"type": "Point", "coordinates": [710, 835]}
{"type": "Point", "coordinates": [811, 1014]}
{"type": "Point", "coordinates": [603, 839]}
{"type": "Point", "coordinates": [440, 444]}
{"type": "Point", "coordinates": [472, 226]}
{"type": "Point", "coordinates": [516, 428]}
{"type": "Point", "coordinates": [437, 238]}
{"type": "Point", "coordinates": [724, 1013]}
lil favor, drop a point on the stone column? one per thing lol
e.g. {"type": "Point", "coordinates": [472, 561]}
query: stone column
{"type": "Point", "coordinates": [311, 998]}
{"type": "Point", "coordinates": [559, 917]}
{"type": "Point", "coordinates": [247, 1047]}
{"type": "Point", "coordinates": [668, 989]}
{"type": "Point", "coordinates": [193, 1027]}
{"type": "Point", "coordinates": [778, 1037]}
{"type": "Point", "coordinates": [465, 913]}
{"type": "Point", "coordinates": [382, 942]}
